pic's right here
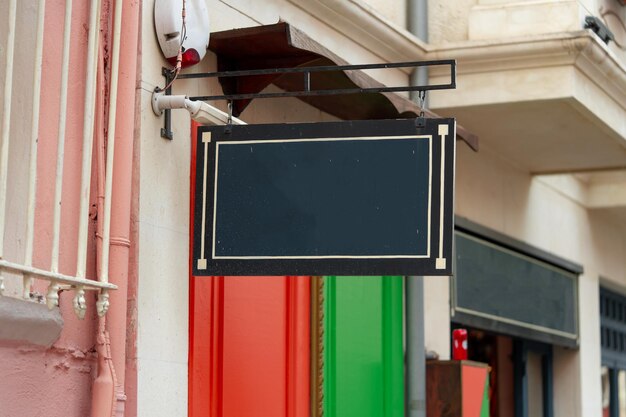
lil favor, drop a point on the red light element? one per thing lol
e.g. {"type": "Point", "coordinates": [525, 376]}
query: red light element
{"type": "Point", "coordinates": [459, 345]}
{"type": "Point", "coordinates": [190, 57]}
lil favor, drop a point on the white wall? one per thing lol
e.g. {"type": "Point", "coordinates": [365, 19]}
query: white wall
{"type": "Point", "coordinates": [394, 10]}
{"type": "Point", "coordinates": [163, 291]}
{"type": "Point", "coordinates": [448, 20]}
{"type": "Point", "coordinates": [437, 315]}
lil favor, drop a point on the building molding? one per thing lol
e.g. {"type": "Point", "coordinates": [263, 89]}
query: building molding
{"type": "Point", "coordinates": [581, 49]}
{"type": "Point", "coordinates": [364, 25]}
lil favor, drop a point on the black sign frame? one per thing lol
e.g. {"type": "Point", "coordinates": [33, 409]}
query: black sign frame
{"type": "Point", "coordinates": [438, 259]}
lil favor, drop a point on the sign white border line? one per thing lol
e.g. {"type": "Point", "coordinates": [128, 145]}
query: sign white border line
{"type": "Point", "coordinates": [206, 138]}
{"type": "Point", "coordinates": [443, 130]}
{"type": "Point", "coordinates": [290, 140]}
{"type": "Point", "coordinates": [248, 142]}
{"type": "Point", "coordinates": [328, 257]}
{"type": "Point", "coordinates": [430, 190]}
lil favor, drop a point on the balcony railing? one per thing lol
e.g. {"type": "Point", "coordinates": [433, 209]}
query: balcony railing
{"type": "Point", "coordinates": [24, 214]}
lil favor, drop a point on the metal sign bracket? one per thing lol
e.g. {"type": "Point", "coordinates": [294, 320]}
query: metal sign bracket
{"type": "Point", "coordinates": [307, 91]}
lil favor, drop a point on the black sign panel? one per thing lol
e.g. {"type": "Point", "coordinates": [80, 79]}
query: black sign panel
{"type": "Point", "coordinates": [337, 198]}
{"type": "Point", "coordinates": [500, 289]}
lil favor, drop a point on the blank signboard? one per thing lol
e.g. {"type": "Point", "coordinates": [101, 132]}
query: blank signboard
{"type": "Point", "coordinates": [342, 197]}
{"type": "Point", "coordinates": [504, 290]}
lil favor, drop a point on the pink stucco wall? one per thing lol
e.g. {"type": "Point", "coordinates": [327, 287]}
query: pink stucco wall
{"type": "Point", "coordinates": [57, 380]}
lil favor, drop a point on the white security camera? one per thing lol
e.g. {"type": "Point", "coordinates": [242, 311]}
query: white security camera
{"type": "Point", "coordinates": [194, 37]}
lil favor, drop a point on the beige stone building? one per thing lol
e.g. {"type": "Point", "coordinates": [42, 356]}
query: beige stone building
{"type": "Point", "coordinates": [544, 95]}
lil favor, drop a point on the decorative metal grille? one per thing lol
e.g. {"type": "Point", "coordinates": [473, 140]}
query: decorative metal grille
{"type": "Point", "coordinates": [613, 328]}
{"type": "Point", "coordinates": [17, 259]}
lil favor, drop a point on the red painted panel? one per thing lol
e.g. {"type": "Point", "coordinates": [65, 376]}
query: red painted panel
{"type": "Point", "coordinates": [473, 383]}
{"type": "Point", "coordinates": [249, 345]}
{"type": "Point", "coordinates": [255, 342]}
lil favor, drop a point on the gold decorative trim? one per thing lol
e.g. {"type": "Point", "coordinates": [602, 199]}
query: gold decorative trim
{"type": "Point", "coordinates": [317, 347]}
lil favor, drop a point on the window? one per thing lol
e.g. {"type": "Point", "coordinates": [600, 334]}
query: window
{"type": "Point", "coordinates": [613, 342]}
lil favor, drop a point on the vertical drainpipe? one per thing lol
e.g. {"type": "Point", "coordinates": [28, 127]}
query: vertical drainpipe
{"type": "Point", "coordinates": [415, 348]}
{"type": "Point", "coordinates": [417, 24]}
{"type": "Point", "coordinates": [110, 400]}
{"type": "Point", "coordinates": [121, 196]}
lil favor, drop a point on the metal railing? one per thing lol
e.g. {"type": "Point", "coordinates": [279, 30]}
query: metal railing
{"type": "Point", "coordinates": [57, 280]}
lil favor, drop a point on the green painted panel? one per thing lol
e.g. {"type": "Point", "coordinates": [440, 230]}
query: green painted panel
{"type": "Point", "coordinates": [484, 410]}
{"type": "Point", "coordinates": [363, 354]}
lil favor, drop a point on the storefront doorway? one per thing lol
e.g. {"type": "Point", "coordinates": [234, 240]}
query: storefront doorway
{"type": "Point", "coordinates": [520, 378]}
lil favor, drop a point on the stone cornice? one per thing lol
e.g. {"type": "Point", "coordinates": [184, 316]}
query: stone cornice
{"type": "Point", "coordinates": [581, 49]}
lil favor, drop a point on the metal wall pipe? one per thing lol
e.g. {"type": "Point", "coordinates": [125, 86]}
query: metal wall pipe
{"type": "Point", "coordinates": [415, 349]}
{"type": "Point", "coordinates": [417, 24]}
{"type": "Point", "coordinates": [6, 126]}
{"type": "Point", "coordinates": [103, 389]}
{"type": "Point", "coordinates": [122, 185]}
{"type": "Point", "coordinates": [108, 390]}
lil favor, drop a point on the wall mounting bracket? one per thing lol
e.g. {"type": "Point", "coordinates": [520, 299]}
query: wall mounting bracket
{"type": "Point", "coordinates": [307, 90]}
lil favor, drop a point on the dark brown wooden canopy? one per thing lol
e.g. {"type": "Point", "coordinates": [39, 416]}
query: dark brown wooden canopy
{"type": "Point", "coordinates": [283, 46]}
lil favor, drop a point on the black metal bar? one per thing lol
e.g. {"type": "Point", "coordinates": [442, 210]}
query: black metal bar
{"type": "Point", "coordinates": [244, 73]}
{"type": "Point", "coordinates": [453, 75]}
{"type": "Point", "coordinates": [613, 392]}
{"type": "Point", "coordinates": [548, 388]}
{"type": "Point", "coordinates": [304, 93]}
{"type": "Point", "coordinates": [520, 379]}
{"type": "Point", "coordinates": [166, 130]}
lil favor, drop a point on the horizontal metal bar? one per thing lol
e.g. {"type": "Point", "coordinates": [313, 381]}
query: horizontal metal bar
{"type": "Point", "coordinates": [268, 71]}
{"type": "Point", "coordinates": [305, 93]}
{"type": "Point", "coordinates": [53, 276]}
{"type": "Point", "coordinates": [306, 73]}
